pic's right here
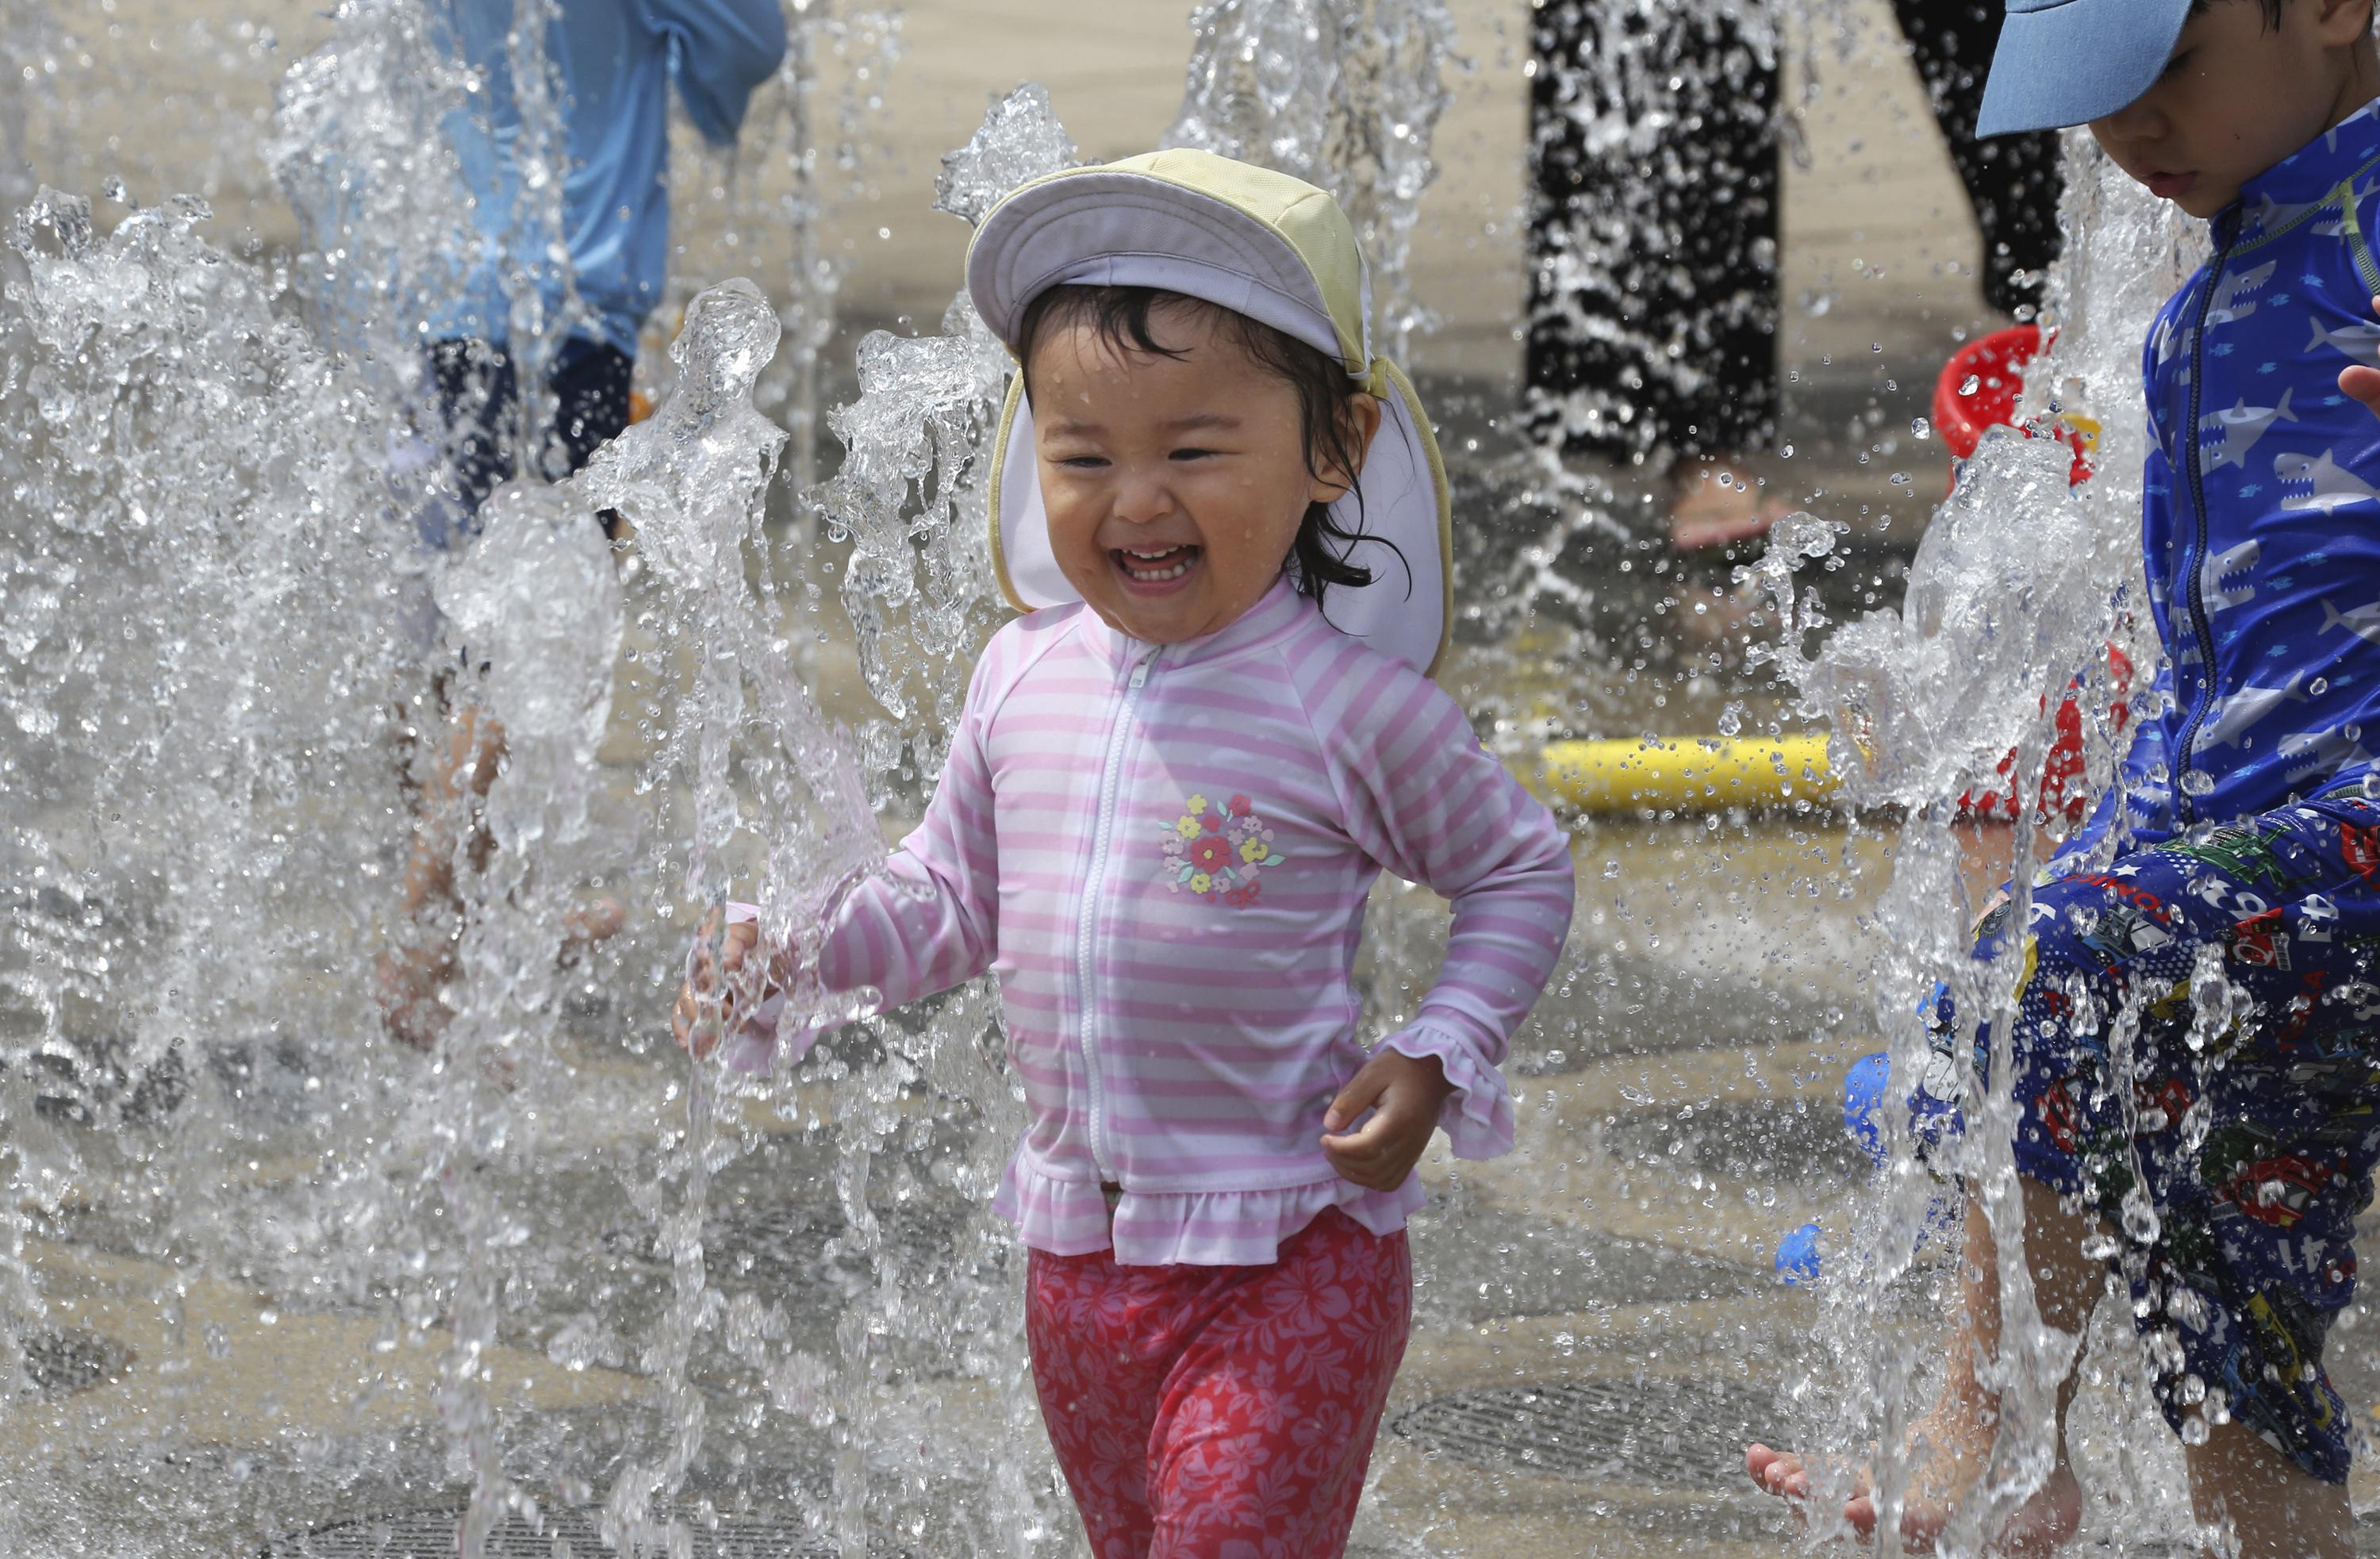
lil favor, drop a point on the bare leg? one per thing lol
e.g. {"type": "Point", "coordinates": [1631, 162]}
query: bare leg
{"type": "Point", "coordinates": [475, 746]}
{"type": "Point", "coordinates": [2275, 1509]}
{"type": "Point", "coordinates": [412, 972]}
{"type": "Point", "coordinates": [1955, 1437]}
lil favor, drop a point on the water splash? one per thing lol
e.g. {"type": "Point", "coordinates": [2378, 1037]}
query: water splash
{"type": "Point", "coordinates": [1345, 94]}
{"type": "Point", "coordinates": [385, 217]}
{"type": "Point", "coordinates": [194, 481]}
{"type": "Point", "coordinates": [1941, 687]}
{"type": "Point", "coordinates": [1019, 140]}
{"type": "Point", "coordinates": [213, 594]}
{"type": "Point", "coordinates": [911, 494]}
{"type": "Point", "coordinates": [911, 498]}
{"type": "Point", "coordinates": [537, 597]}
{"type": "Point", "coordinates": [694, 480]}
{"type": "Point", "coordinates": [1924, 700]}
{"type": "Point", "coordinates": [820, 139]}
{"type": "Point", "coordinates": [193, 469]}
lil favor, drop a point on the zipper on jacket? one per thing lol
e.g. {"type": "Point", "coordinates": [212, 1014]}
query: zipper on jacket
{"type": "Point", "coordinates": [1087, 931]}
{"type": "Point", "coordinates": [2194, 591]}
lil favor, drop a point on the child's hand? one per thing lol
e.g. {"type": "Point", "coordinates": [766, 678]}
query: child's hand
{"type": "Point", "coordinates": [715, 995]}
{"type": "Point", "coordinates": [2362, 382]}
{"type": "Point", "coordinates": [1406, 1094]}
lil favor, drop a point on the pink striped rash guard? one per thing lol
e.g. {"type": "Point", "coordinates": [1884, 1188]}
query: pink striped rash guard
{"type": "Point", "coordinates": [1162, 852]}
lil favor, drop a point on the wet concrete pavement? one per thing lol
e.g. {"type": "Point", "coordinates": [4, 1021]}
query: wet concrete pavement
{"type": "Point", "coordinates": [1597, 1329]}
{"type": "Point", "coordinates": [1594, 1327]}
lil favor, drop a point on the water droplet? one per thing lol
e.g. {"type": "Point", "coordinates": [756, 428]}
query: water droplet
{"type": "Point", "coordinates": [2140, 1220]}
{"type": "Point", "coordinates": [1920, 428]}
{"type": "Point", "coordinates": [1731, 720]}
{"type": "Point", "coordinates": [1611, 869]}
{"type": "Point", "coordinates": [2322, 684]}
{"type": "Point", "coordinates": [2197, 781]}
{"type": "Point", "coordinates": [1969, 385]}
{"type": "Point", "coordinates": [1786, 453]}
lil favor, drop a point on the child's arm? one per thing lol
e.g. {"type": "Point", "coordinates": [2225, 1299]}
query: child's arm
{"type": "Point", "coordinates": [927, 920]}
{"type": "Point", "coordinates": [1429, 804]}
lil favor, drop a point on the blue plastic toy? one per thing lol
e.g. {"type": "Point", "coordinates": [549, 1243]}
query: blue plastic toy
{"type": "Point", "coordinates": [1865, 1084]}
{"type": "Point", "coordinates": [1797, 1256]}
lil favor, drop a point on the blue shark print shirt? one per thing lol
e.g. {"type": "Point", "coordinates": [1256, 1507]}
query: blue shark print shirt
{"type": "Point", "coordinates": [2261, 518]}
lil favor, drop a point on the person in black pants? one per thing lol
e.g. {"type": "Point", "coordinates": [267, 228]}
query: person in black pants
{"type": "Point", "coordinates": [479, 395]}
{"type": "Point", "coordinates": [1654, 230]}
{"type": "Point", "coordinates": [618, 66]}
{"type": "Point", "coordinates": [449, 750]}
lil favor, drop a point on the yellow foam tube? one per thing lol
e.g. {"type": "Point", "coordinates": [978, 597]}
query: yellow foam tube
{"type": "Point", "coordinates": [1687, 773]}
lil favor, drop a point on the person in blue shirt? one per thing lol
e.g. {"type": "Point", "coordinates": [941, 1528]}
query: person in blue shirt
{"type": "Point", "coordinates": [2197, 1049]}
{"type": "Point", "coordinates": [614, 61]}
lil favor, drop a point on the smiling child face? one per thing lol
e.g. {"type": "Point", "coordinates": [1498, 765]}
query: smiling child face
{"type": "Point", "coordinates": [1175, 485]}
{"type": "Point", "coordinates": [2238, 94]}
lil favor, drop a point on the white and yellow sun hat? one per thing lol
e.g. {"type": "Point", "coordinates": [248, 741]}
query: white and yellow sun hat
{"type": "Point", "coordinates": [1262, 244]}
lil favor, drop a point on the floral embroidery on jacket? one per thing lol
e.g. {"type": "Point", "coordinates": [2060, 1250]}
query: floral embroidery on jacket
{"type": "Point", "coordinates": [1219, 853]}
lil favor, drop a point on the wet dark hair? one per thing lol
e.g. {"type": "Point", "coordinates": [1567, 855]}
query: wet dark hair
{"type": "Point", "coordinates": [1318, 558]}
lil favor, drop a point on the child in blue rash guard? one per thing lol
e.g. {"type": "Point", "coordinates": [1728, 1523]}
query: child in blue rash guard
{"type": "Point", "coordinates": [2226, 1175]}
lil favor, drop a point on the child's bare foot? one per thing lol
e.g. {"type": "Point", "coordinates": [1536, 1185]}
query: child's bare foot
{"type": "Point", "coordinates": [1956, 1461]}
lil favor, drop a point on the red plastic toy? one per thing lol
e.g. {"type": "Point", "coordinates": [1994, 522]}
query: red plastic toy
{"type": "Point", "coordinates": [1995, 365]}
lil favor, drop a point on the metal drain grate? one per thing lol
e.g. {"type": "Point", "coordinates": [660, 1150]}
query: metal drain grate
{"type": "Point", "coordinates": [431, 1534]}
{"type": "Point", "coordinates": [60, 1363]}
{"type": "Point", "coordinates": [1673, 1433]}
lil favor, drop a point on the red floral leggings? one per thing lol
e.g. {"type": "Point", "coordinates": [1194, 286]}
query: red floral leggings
{"type": "Point", "coordinates": [1221, 1412]}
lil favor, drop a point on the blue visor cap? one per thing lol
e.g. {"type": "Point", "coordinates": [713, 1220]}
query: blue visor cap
{"type": "Point", "coordinates": [2068, 62]}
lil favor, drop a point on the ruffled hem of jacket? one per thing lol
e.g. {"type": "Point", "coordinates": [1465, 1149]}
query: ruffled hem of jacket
{"type": "Point", "coordinates": [1064, 1217]}
{"type": "Point", "coordinates": [1477, 1119]}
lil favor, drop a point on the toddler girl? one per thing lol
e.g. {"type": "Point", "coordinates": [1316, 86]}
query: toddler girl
{"type": "Point", "coordinates": [1174, 780]}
